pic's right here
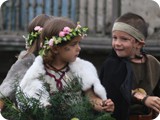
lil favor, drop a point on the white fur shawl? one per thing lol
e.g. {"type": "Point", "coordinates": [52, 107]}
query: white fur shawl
{"type": "Point", "coordinates": [31, 85]}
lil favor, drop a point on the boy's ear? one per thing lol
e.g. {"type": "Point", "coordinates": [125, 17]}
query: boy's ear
{"type": "Point", "coordinates": [142, 43]}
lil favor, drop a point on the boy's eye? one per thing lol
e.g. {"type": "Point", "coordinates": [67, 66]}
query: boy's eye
{"type": "Point", "coordinates": [114, 37]}
{"type": "Point", "coordinates": [124, 38]}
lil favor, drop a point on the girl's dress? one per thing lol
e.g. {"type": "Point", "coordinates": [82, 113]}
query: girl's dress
{"type": "Point", "coordinates": [15, 74]}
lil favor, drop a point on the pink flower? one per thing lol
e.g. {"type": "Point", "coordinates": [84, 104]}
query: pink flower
{"type": "Point", "coordinates": [51, 42]}
{"type": "Point", "coordinates": [37, 28]}
{"type": "Point", "coordinates": [61, 34]}
{"type": "Point", "coordinates": [40, 29]}
{"type": "Point", "coordinates": [66, 29]}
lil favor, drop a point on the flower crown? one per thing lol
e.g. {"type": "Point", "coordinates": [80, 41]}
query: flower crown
{"type": "Point", "coordinates": [66, 34]}
{"type": "Point", "coordinates": [31, 37]}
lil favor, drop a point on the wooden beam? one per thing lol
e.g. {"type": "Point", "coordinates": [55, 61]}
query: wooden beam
{"type": "Point", "coordinates": [116, 9]}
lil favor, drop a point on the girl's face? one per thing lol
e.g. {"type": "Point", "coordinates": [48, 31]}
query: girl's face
{"type": "Point", "coordinates": [124, 44]}
{"type": "Point", "coordinates": [70, 51]}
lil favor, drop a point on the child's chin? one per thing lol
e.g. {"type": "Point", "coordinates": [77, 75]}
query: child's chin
{"type": "Point", "coordinates": [73, 59]}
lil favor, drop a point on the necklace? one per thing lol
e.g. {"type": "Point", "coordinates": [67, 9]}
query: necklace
{"type": "Point", "coordinates": [58, 80]}
{"type": "Point", "coordinates": [55, 69]}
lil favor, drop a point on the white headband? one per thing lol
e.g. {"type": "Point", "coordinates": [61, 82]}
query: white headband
{"type": "Point", "coordinates": [128, 29]}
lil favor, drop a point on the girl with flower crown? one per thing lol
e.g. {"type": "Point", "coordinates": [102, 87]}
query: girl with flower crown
{"type": "Point", "coordinates": [58, 63]}
{"type": "Point", "coordinates": [25, 59]}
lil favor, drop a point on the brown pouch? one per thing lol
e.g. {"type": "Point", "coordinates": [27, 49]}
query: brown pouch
{"type": "Point", "coordinates": [141, 117]}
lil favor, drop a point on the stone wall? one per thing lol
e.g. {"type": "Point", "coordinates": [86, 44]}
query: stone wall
{"type": "Point", "coordinates": [148, 9]}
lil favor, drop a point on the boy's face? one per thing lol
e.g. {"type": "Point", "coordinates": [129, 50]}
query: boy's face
{"type": "Point", "coordinates": [124, 44]}
{"type": "Point", "coordinates": [70, 51]}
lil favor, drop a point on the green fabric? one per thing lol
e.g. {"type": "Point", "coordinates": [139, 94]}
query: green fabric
{"type": "Point", "coordinates": [147, 76]}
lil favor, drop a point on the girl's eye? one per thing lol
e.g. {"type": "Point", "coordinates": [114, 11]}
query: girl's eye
{"type": "Point", "coordinates": [73, 44]}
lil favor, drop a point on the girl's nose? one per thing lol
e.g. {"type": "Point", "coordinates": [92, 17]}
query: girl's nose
{"type": "Point", "coordinates": [78, 48]}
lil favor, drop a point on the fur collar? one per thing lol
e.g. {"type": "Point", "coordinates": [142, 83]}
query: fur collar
{"type": "Point", "coordinates": [31, 85]}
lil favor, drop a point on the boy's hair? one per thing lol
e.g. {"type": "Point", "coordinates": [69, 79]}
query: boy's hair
{"type": "Point", "coordinates": [39, 20]}
{"type": "Point", "coordinates": [52, 28]}
{"type": "Point", "coordinates": [135, 21]}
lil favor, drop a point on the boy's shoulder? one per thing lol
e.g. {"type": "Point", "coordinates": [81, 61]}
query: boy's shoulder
{"type": "Point", "coordinates": [152, 59]}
